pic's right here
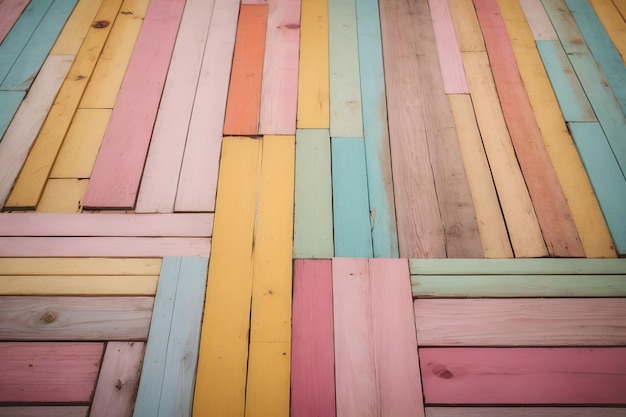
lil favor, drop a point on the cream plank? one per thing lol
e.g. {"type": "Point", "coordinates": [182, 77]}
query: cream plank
{"type": "Point", "coordinates": [79, 266]}
{"type": "Point", "coordinates": [613, 22]}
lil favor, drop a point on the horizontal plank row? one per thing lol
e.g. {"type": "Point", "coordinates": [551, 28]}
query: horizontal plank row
{"type": "Point", "coordinates": [79, 266]}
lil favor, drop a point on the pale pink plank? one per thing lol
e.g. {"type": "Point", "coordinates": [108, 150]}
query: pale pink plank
{"type": "Point", "coordinates": [117, 172]}
{"type": "Point", "coordinates": [524, 375]}
{"type": "Point", "coordinates": [128, 247]}
{"type": "Point", "coordinates": [10, 11]}
{"type": "Point", "coordinates": [451, 64]}
{"type": "Point", "coordinates": [106, 224]}
{"type": "Point", "coordinates": [538, 20]}
{"type": "Point", "coordinates": [279, 91]}
{"type": "Point", "coordinates": [312, 354]}
{"type": "Point", "coordinates": [48, 372]}
{"type": "Point", "coordinates": [45, 411]}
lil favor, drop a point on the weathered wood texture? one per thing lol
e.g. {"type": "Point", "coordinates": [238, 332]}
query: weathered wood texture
{"type": "Point", "coordinates": [79, 266]}
{"type": "Point", "coordinates": [525, 412]}
{"type": "Point", "coordinates": [538, 20]}
{"type": "Point", "coordinates": [613, 22]}
{"type": "Point", "coordinates": [77, 285]}
{"type": "Point", "coordinates": [45, 410]}
{"type": "Point", "coordinates": [10, 11]}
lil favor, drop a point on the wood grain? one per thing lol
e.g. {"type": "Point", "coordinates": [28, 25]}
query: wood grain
{"type": "Point", "coordinates": [613, 22]}
{"type": "Point", "coordinates": [76, 27]}
{"type": "Point", "coordinates": [468, 31]}
{"type": "Point", "coordinates": [10, 10]}
{"type": "Point", "coordinates": [538, 20]}
{"type": "Point", "coordinates": [525, 412]}
{"type": "Point", "coordinates": [62, 195]}
{"type": "Point", "coordinates": [269, 365]}
{"type": "Point", "coordinates": [77, 285]}
{"type": "Point", "coordinates": [48, 411]}
{"type": "Point", "coordinates": [79, 266]}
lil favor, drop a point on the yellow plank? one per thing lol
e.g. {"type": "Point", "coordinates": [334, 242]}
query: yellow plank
{"type": "Point", "coordinates": [101, 285]}
{"type": "Point", "coordinates": [80, 147]}
{"type": "Point", "coordinates": [62, 196]}
{"type": "Point", "coordinates": [621, 6]}
{"type": "Point", "coordinates": [268, 380]}
{"type": "Point", "coordinates": [588, 218]}
{"type": "Point", "coordinates": [79, 266]}
{"type": "Point", "coordinates": [613, 22]}
{"type": "Point", "coordinates": [468, 31]}
{"type": "Point", "coordinates": [223, 356]}
{"type": "Point", "coordinates": [32, 179]}
{"type": "Point", "coordinates": [109, 73]}
{"type": "Point", "coordinates": [76, 27]}
{"type": "Point", "coordinates": [313, 84]}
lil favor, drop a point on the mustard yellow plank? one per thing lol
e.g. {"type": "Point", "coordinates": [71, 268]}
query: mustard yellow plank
{"type": "Point", "coordinates": [109, 73]}
{"type": "Point", "coordinates": [268, 380]}
{"type": "Point", "coordinates": [221, 376]}
{"type": "Point", "coordinates": [32, 179]}
{"type": "Point", "coordinates": [588, 218]}
{"type": "Point", "coordinates": [613, 22]}
{"type": "Point", "coordinates": [313, 84]}
{"type": "Point", "coordinates": [79, 266]}
{"type": "Point", "coordinates": [468, 31]}
{"type": "Point", "coordinates": [621, 6]}
{"type": "Point", "coordinates": [62, 196]}
{"type": "Point", "coordinates": [76, 27]}
{"type": "Point", "coordinates": [101, 285]}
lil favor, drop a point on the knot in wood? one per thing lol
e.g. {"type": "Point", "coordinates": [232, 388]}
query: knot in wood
{"type": "Point", "coordinates": [49, 317]}
{"type": "Point", "coordinates": [100, 24]}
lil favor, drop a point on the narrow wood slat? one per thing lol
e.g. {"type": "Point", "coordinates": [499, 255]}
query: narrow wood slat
{"type": "Point", "coordinates": [79, 266]}
{"type": "Point", "coordinates": [521, 322]}
{"type": "Point", "coordinates": [538, 20]}
{"type": "Point", "coordinates": [78, 285]}
{"type": "Point", "coordinates": [524, 376]}
{"type": "Point", "coordinates": [62, 195]}
{"type": "Point", "coordinates": [48, 372]}
{"type": "Point", "coordinates": [525, 412]}
{"type": "Point", "coordinates": [9, 103]}
{"type": "Point", "coordinates": [468, 31]}
{"type": "Point", "coordinates": [76, 27]}
{"type": "Point", "coordinates": [613, 22]}
{"type": "Point", "coordinates": [48, 411]}
{"type": "Point", "coordinates": [268, 360]}
{"type": "Point", "coordinates": [621, 6]}
{"type": "Point", "coordinates": [10, 11]}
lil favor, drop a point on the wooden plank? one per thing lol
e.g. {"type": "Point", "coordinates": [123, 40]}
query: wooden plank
{"type": "Point", "coordinates": [313, 212]}
{"type": "Point", "coordinates": [34, 174]}
{"type": "Point", "coordinates": [10, 102]}
{"type": "Point", "coordinates": [118, 379]}
{"type": "Point", "coordinates": [351, 210]}
{"type": "Point", "coordinates": [43, 224]}
{"type": "Point", "coordinates": [521, 322]}
{"type": "Point", "coordinates": [62, 196]}
{"type": "Point", "coordinates": [538, 20]}
{"type": "Point", "coordinates": [524, 376]}
{"type": "Point", "coordinates": [621, 6]}
{"type": "Point", "coordinates": [76, 28]}
{"type": "Point", "coordinates": [525, 412]}
{"type": "Point", "coordinates": [268, 376]}
{"type": "Point", "coordinates": [613, 22]}
{"type": "Point", "coordinates": [494, 286]}
{"type": "Point", "coordinates": [279, 88]}
{"type": "Point", "coordinates": [376, 131]}
{"type": "Point", "coordinates": [48, 372]}
{"type": "Point", "coordinates": [468, 31]}
{"type": "Point", "coordinates": [75, 318]}
{"type": "Point", "coordinates": [493, 233]}
{"type": "Point", "coordinates": [134, 247]}
{"type": "Point", "coordinates": [346, 118]}
{"type": "Point", "coordinates": [312, 350]}
{"type": "Point", "coordinates": [244, 94]}
{"type": "Point", "coordinates": [10, 10]}
{"type": "Point", "coordinates": [90, 285]}
{"type": "Point", "coordinates": [313, 77]}
{"type": "Point", "coordinates": [79, 266]}
{"type": "Point", "coordinates": [197, 184]}
{"type": "Point", "coordinates": [48, 411]}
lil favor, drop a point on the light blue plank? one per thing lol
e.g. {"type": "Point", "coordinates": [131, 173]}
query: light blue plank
{"type": "Point", "coordinates": [30, 60]}
{"type": "Point", "coordinates": [605, 176]}
{"type": "Point", "coordinates": [9, 103]}
{"type": "Point", "coordinates": [376, 131]}
{"type": "Point", "coordinates": [601, 47]}
{"type": "Point", "coordinates": [351, 216]}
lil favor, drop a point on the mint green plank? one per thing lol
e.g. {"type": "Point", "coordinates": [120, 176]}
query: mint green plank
{"type": "Point", "coordinates": [313, 215]}
{"type": "Point", "coordinates": [351, 216]}
{"type": "Point", "coordinates": [376, 131]}
{"type": "Point", "coordinates": [601, 47]}
{"type": "Point", "coordinates": [569, 93]}
{"type": "Point", "coordinates": [607, 180]}
{"type": "Point", "coordinates": [30, 60]}
{"type": "Point", "coordinates": [9, 103]}
{"type": "Point", "coordinates": [517, 266]}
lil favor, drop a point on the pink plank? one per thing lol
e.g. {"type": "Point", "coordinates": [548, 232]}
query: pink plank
{"type": "Point", "coordinates": [312, 360]}
{"type": "Point", "coordinates": [524, 375]}
{"type": "Point", "coordinates": [128, 247]}
{"type": "Point", "coordinates": [48, 372]}
{"type": "Point", "coordinates": [279, 92]}
{"type": "Point", "coordinates": [118, 168]}
{"type": "Point", "coordinates": [10, 11]}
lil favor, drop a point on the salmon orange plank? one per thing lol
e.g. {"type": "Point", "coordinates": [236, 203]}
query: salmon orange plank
{"type": "Point", "coordinates": [10, 11]}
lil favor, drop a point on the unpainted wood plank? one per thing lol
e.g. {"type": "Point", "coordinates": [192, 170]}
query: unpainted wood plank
{"type": "Point", "coordinates": [48, 372]}
{"type": "Point", "coordinates": [613, 22]}
{"type": "Point", "coordinates": [244, 93]}
{"type": "Point", "coordinates": [10, 10]}
{"type": "Point", "coordinates": [62, 196]}
{"type": "Point", "coordinates": [76, 28]}
{"type": "Point", "coordinates": [524, 376]}
{"type": "Point", "coordinates": [468, 32]}
{"type": "Point", "coordinates": [79, 266]}
{"type": "Point", "coordinates": [118, 379]}
{"type": "Point", "coordinates": [268, 379]}
{"type": "Point", "coordinates": [45, 410]}
{"type": "Point", "coordinates": [538, 20]}
{"type": "Point", "coordinates": [77, 285]}
{"type": "Point", "coordinates": [521, 322]}
{"type": "Point", "coordinates": [525, 412]}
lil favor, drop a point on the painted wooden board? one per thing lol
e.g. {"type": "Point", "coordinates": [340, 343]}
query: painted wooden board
{"type": "Point", "coordinates": [521, 322]}
{"type": "Point", "coordinates": [313, 212]}
{"type": "Point", "coordinates": [167, 146]}
{"type": "Point", "coordinates": [279, 88]}
{"type": "Point", "coordinates": [376, 131]}
{"type": "Point", "coordinates": [538, 20]}
{"type": "Point", "coordinates": [48, 372]}
{"type": "Point", "coordinates": [351, 210]}
{"type": "Point", "coordinates": [468, 31]}
{"type": "Point", "coordinates": [525, 412]}
{"type": "Point", "coordinates": [48, 411]}
{"type": "Point", "coordinates": [79, 266]}
{"type": "Point", "coordinates": [268, 379]}
{"type": "Point", "coordinates": [34, 174]}
{"type": "Point", "coordinates": [244, 93]}
{"type": "Point", "coordinates": [62, 195]}
{"type": "Point", "coordinates": [75, 318]}
{"type": "Point", "coordinates": [197, 184]}
{"type": "Point", "coordinates": [76, 27]}
{"type": "Point", "coordinates": [376, 363]}
{"type": "Point", "coordinates": [494, 286]}
{"type": "Point", "coordinates": [313, 76]}
{"type": "Point", "coordinates": [134, 247]}
{"type": "Point", "coordinates": [524, 376]}
{"type": "Point", "coordinates": [613, 22]}
{"type": "Point", "coordinates": [621, 6]}
{"type": "Point", "coordinates": [312, 350]}
{"type": "Point", "coordinates": [9, 103]}
{"type": "Point", "coordinates": [118, 379]}
{"type": "Point", "coordinates": [452, 70]}
{"type": "Point", "coordinates": [10, 10]}
{"type": "Point", "coordinates": [42, 224]}
{"type": "Point", "coordinates": [78, 285]}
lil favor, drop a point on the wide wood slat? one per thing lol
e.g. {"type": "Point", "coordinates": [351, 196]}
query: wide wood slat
{"type": "Point", "coordinates": [525, 412]}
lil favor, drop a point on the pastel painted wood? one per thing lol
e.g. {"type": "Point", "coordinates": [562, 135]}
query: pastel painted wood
{"type": "Point", "coordinates": [10, 102]}
{"type": "Point", "coordinates": [538, 20]}
{"type": "Point", "coordinates": [468, 31]}
{"type": "Point", "coordinates": [90, 285]}
{"type": "Point", "coordinates": [79, 266]}
{"type": "Point", "coordinates": [62, 195]}
{"type": "Point", "coordinates": [10, 11]}
{"type": "Point", "coordinates": [524, 375]}
{"type": "Point", "coordinates": [49, 411]}
{"type": "Point", "coordinates": [76, 27]}
{"type": "Point", "coordinates": [48, 372]}
{"type": "Point", "coordinates": [613, 22]}
{"type": "Point", "coordinates": [273, 360]}
{"type": "Point", "coordinates": [583, 411]}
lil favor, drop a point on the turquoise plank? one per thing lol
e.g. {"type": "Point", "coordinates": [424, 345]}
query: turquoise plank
{"type": "Point", "coordinates": [9, 103]}
{"type": "Point", "coordinates": [601, 47]}
{"type": "Point", "coordinates": [30, 60]}
{"type": "Point", "coordinates": [313, 215]}
{"type": "Point", "coordinates": [376, 131]}
{"type": "Point", "coordinates": [351, 216]}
